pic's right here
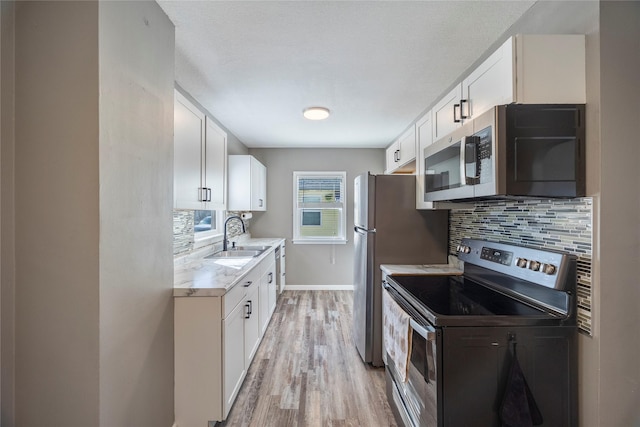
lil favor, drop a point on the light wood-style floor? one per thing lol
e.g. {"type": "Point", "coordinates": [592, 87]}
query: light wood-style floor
{"type": "Point", "coordinates": [307, 371]}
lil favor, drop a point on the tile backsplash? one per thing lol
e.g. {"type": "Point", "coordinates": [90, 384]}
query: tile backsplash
{"type": "Point", "coordinates": [183, 235]}
{"type": "Point", "coordinates": [182, 231]}
{"type": "Point", "coordinates": [559, 224]}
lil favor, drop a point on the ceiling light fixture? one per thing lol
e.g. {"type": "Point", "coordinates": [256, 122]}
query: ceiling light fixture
{"type": "Point", "coordinates": [316, 113]}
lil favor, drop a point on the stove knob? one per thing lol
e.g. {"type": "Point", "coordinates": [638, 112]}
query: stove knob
{"type": "Point", "coordinates": [467, 249]}
{"type": "Point", "coordinates": [549, 269]}
{"type": "Point", "coordinates": [534, 265]}
{"type": "Point", "coordinates": [521, 262]}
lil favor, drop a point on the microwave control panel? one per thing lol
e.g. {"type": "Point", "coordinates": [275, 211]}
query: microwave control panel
{"type": "Point", "coordinates": [484, 153]}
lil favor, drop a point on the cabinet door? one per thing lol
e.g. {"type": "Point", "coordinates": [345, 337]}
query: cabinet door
{"type": "Point", "coordinates": [252, 324]}
{"type": "Point", "coordinates": [234, 350]}
{"type": "Point", "coordinates": [187, 151]}
{"type": "Point", "coordinates": [272, 291]}
{"type": "Point", "coordinates": [424, 138]}
{"type": "Point", "coordinates": [282, 268]}
{"type": "Point", "coordinates": [392, 158]}
{"type": "Point", "coordinates": [239, 183]}
{"type": "Point", "coordinates": [443, 113]}
{"type": "Point", "coordinates": [407, 151]}
{"type": "Point", "coordinates": [258, 186]}
{"type": "Point", "coordinates": [492, 83]}
{"type": "Point", "coordinates": [215, 166]}
{"type": "Point", "coordinates": [264, 302]}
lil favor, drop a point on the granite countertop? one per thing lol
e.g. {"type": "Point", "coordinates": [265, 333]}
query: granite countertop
{"type": "Point", "coordinates": [197, 276]}
{"type": "Point", "coordinates": [424, 269]}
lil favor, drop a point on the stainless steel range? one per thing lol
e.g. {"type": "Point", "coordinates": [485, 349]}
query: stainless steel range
{"type": "Point", "coordinates": [491, 347]}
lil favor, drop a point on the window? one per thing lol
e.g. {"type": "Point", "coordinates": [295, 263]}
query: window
{"type": "Point", "coordinates": [311, 218]}
{"type": "Point", "coordinates": [319, 207]}
{"type": "Point", "coordinates": [207, 223]}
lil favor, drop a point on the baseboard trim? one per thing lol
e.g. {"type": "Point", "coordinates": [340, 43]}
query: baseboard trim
{"type": "Point", "coordinates": [318, 287]}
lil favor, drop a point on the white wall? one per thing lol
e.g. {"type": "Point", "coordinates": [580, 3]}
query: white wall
{"type": "Point", "coordinates": [93, 197]}
{"type": "Point", "coordinates": [7, 218]}
{"type": "Point", "coordinates": [136, 53]}
{"type": "Point", "coordinates": [619, 228]}
{"type": "Point", "coordinates": [310, 264]}
{"type": "Point", "coordinates": [57, 214]}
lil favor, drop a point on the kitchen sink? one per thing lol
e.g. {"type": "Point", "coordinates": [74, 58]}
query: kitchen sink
{"type": "Point", "coordinates": [236, 253]}
{"type": "Point", "coordinates": [250, 248]}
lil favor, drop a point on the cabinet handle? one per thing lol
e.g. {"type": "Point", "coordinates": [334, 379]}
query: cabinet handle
{"type": "Point", "coordinates": [250, 307]}
{"type": "Point", "coordinates": [248, 313]}
{"type": "Point", "coordinates": [454, 113]}
{"type": "Point", "coordinates": [200, 199]}
{"type": "Point", "coordinates": [270, 277]}
{"type": "Point", "coordinates": [247, 283]}
{"type": "Point", "coordinates": [208, 194]}
{"type": "Point", "coordinates": [260, 202]}
{"type": "Point", "coordinates": [462, 115]}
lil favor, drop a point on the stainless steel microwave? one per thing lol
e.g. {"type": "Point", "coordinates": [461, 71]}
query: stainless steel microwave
{"type": "Point", "coordinates": [519, 150]}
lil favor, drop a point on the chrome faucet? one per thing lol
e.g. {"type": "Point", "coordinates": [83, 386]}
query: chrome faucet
{"type": "Point", "coordinates": [225, 242]}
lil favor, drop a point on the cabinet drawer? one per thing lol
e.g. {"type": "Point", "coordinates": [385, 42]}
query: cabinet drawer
{"type": "Point", "coordinates": [233, 297]}
{"type": "Point", "coordinates": [239, 291]}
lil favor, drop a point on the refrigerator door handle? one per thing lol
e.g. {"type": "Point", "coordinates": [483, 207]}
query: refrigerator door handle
{"type": "Point", "coordinates": [362, 230]}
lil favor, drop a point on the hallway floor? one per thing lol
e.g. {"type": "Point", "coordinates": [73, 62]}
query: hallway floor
{"type": "Point", "coordinates": [307, 371]}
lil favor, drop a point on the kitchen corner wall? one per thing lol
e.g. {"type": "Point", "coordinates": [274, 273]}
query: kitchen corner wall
{"type": "Point", "coordinates": [312, 266]}
{"type": "Point", "coordinates": [562, 225]}
{"type": "Point", "coordinates": [92, 307]}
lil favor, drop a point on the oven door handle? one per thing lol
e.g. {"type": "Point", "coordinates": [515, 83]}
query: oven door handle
{"type": "Point", "coordinates": [427, 332]}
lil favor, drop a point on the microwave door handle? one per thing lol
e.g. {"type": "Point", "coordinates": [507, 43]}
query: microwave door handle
{"type": "Point", "coordinates": [463, 161]}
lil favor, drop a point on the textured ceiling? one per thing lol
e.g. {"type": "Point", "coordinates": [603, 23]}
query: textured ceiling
{"type": "Point", "coordinates": [255, 65]}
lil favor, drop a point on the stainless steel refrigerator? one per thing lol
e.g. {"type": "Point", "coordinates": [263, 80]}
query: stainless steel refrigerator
{"type": "Point", "coordinates": [388, 230]}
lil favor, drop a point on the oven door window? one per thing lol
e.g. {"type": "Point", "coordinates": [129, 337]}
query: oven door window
{"type": "Point", "coordinates": [442, 169]}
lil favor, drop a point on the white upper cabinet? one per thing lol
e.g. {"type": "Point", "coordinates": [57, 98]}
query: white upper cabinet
{"type": "Point", "coordinates": [247, 184]}
{"type": "Point", "coordinates": [446, 113]}
{"type": "Point", "coordinates": [216, 165]}
{"type": "Point", "coordinates": [529, 69]}
{"type": "Point", "coordinates": [491, 84]}
{"type": "Point", "coordinates": [526, 69]}
{"type": "Point", "coordinates": [188, 136]}
{"type": "Point", "coordinates": [200, 152]}
{"type": "Point", "coordinates": [550, 69]}
{"type": "Point", "coordinates": [424, 138]}
{"type": "Point", "coordinates": [401, 154]}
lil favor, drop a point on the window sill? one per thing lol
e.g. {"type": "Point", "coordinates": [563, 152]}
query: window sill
{"type": "Point", "coordinates": [320, 242]}
{"type": "Point", "coordinates": [202, 241]}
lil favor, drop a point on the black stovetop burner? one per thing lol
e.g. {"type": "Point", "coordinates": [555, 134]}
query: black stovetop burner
{"type": "Point", "coordinates": [460, 301]}
{"type": "Point", "coordinates": [459, 296]}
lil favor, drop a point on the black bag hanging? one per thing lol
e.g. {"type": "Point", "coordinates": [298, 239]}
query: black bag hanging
{"type": "Point", "coordinates": [519, 407]}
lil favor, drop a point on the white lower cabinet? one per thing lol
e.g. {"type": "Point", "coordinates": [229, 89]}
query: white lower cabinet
{"type": "Point", "coordinates": [233, 356]}
{"type": "Point", "coordinates": [267, 294]}
{"type": "Point", "coordinates": [283, 262]}
{"type": "Point", "coordinates": [267, 286]}
{"type": "Point", "coordinates": [273, 291]}
{"type": "Point", "coordinates": [216, 339]}
{"type": "Point", "coordinates": [252, 331]}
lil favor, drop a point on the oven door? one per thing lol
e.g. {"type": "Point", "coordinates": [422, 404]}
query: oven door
{"type": "Point", "coordinates": [449, 167]}
{"type": "Point", "coordinates": [415, 402]}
